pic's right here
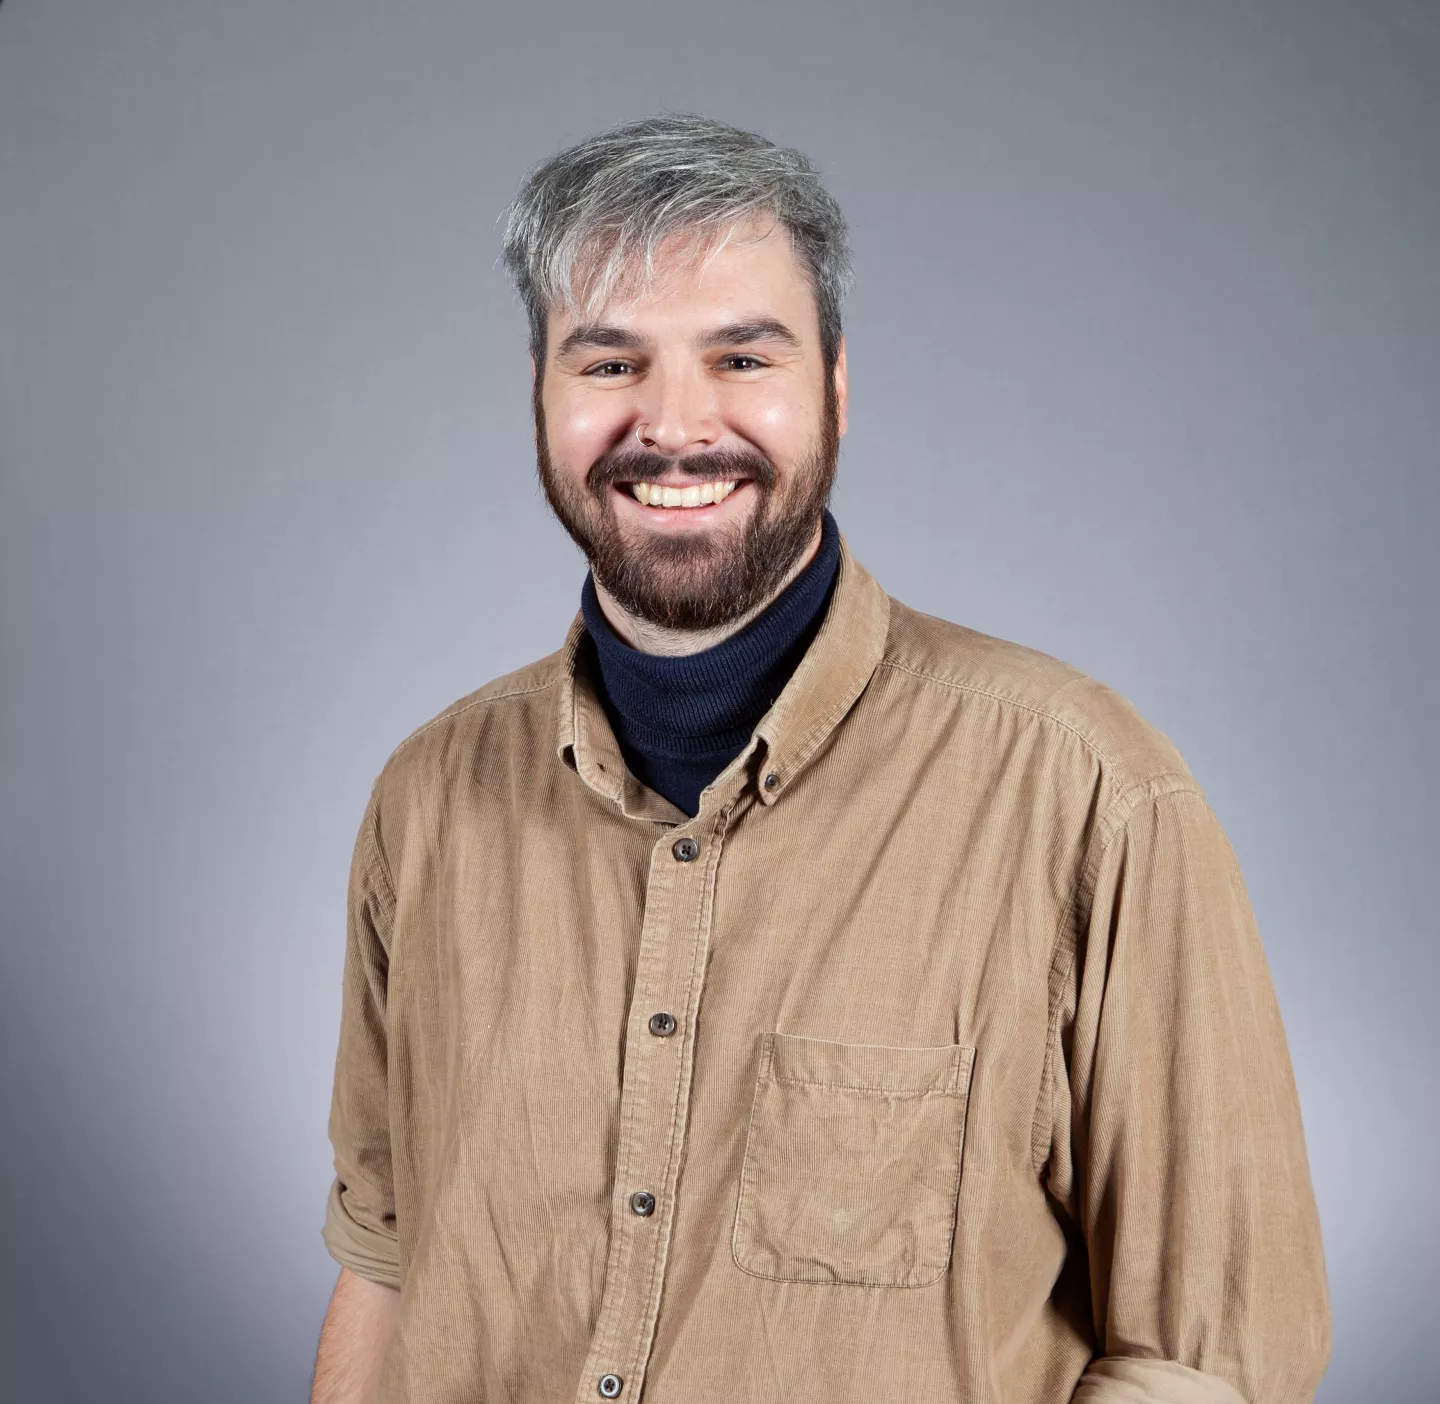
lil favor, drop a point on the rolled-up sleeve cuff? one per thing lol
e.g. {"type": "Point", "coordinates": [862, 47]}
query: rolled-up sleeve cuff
{"type": "Point", "coordinates": [365, 1251]}
{"type": "Point", "coordinates": [1121, 1380]}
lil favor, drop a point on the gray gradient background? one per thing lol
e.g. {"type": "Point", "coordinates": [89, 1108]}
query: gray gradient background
{"type": "Point", "coordinates": [1145, 370]}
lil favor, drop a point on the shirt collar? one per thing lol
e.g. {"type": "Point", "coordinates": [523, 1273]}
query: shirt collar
{"type": "Point", "coordinates": [830, 677]}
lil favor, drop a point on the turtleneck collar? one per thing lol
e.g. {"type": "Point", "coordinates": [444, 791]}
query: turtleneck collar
{"type": "Point", "coordinates": [680, 721]}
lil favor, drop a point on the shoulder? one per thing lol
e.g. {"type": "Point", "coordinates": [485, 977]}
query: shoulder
{"type": "Point", "coordinates": [519, 705]}
{"type": "Point", "coordinates": [517, 689]}
{"type": "Point", "coordinates": [1035, 689]}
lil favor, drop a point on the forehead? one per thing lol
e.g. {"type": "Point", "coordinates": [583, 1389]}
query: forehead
{"type": "Point", "coordinates": [747, 270]}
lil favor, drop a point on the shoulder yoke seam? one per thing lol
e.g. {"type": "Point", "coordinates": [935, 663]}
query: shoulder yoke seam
{"type": "Point", "coordinates": [450, 713]}
{"type": "Point", "coordinates": [959, 686]}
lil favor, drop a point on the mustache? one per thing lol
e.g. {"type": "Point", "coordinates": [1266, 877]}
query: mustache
{"type": "Point", "coordinates": [722, 465]}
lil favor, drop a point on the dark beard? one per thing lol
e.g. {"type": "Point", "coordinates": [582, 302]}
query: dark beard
{"type": "Point", "coordinates": [694, 581]}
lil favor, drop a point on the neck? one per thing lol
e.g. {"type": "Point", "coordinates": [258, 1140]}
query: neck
{"type": "Point", "coordinates": [680, 643]}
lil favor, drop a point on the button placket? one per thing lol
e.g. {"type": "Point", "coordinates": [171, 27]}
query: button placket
{"type": "Point", "coordinates": [654, 1114]}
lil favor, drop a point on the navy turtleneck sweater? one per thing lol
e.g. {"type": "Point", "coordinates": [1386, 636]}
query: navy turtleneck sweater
{"type": "Point", "coordinates": [681, 721]}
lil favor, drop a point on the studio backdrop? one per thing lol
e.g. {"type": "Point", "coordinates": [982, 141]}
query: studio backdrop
{"type": "Point", "coordinates": [1145, 366]}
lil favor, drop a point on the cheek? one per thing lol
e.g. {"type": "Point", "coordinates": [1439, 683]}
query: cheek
{"type": "Point", "coordinates": [781, 426]}
{"type": "Point", "coordinates": [580, 428]}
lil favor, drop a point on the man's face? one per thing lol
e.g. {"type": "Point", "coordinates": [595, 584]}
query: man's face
{"type": "Point", "coordinates": [710, 385]}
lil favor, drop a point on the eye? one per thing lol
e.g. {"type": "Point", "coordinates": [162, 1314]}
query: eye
{"type": "Point", "coordinates": [742, 361]}
{"type": "Point", "coordinates": [608, 370]}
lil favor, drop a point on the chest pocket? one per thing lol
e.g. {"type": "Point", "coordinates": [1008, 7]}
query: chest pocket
{"type": "Point", "coordinates": [852, 1162]}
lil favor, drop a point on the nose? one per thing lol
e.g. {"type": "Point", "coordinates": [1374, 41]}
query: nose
{"type": "Point", "coordinates": [677, 411]}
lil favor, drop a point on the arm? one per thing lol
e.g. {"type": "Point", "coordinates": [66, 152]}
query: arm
{"type": "Point", "coordinates": [360, 1224]}
{"type": "Point", "coordinates": [353, 1340]}
{"type": "Point", "coordinates": [1178, 1146]}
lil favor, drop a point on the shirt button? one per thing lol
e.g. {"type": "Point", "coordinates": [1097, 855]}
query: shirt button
{"type": "Point", "coordinates": [662, 1025]}
{"type": "Point", "coordinates": [771, 780]}
{"type": "Point", "coordinates": [610, 1386]}
{"type": "Point", "coordinates": [686, 850]}
{"type": "Point", "coordinates": [643, 1203]}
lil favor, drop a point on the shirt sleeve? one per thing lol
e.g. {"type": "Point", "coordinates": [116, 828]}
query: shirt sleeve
{"type": "Point", "coordinates": [360, 1227]}
{"type": "Point", "coordinates": [1178, 1145]}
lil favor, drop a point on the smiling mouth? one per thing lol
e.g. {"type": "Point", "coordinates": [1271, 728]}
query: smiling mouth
{"type": "Point", "coordinates": [691, 495]}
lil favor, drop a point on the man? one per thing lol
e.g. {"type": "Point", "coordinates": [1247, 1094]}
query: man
{"type": "Point", "coordinates": [777, 994]}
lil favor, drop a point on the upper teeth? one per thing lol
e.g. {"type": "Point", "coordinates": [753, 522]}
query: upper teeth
{"type": "Point", "coordinates": [696, 495]}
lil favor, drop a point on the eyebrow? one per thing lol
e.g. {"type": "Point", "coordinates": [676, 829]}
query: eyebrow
{"type": "Point", "coordinates": [598, 334]}
{"type": "Point", "coordinates": [759, 329]}
{"type": "Point", "coordinates": [611, 338]}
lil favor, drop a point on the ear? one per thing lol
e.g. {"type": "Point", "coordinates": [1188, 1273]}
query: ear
{"type": "Point", "coordinates": [842, 390]}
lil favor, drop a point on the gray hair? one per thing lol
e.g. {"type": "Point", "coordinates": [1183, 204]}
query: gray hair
{"type": "Point", "coordinates": [589, 220]}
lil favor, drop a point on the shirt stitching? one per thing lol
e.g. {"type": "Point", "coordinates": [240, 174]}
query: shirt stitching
{"type": "Point", "coordinates": [870, 1091]}
{"type": "Point", "coordinates": [960, 686]}
{"type": "Point", "coordinates": [747, 1172]}
{"type": "Point", "coordinates": [625, 1251]}
{"type": "Point", "coordinates": [1110, 825]}
{"type": "Point", "coordinates": [1043, 1122]}
{"type": "Point", "coordinates": [791, 759]}
{"type": "Point", "coordinates": [381, 863]}
{"type": "Point", "coordinates": [705, 913]}
{"type": "Point", "coordinates": [462, 707]}
{"type": "Point", "coordinates": [746, 1162]}
{"type": "Point", "coordinates": [811, 740]}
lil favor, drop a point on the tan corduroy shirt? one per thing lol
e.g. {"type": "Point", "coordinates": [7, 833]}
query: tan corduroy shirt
{"type": "Point", "coordinates": [935, 1060]}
